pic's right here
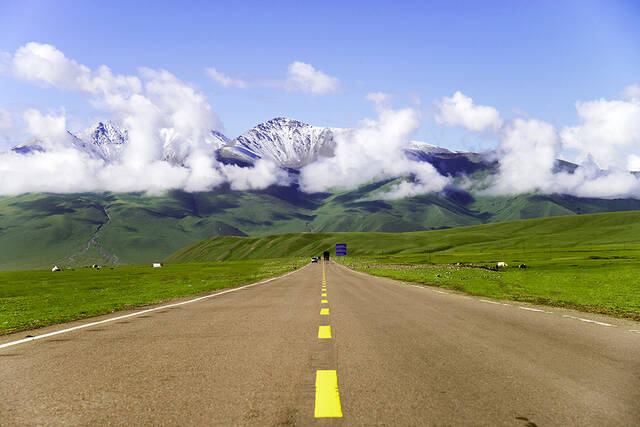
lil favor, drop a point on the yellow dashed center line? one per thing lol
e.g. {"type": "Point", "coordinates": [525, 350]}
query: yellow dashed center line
{"type": "Point", "coordinates": [327, 394]}
{"type": "Point", "coordinates": [324, 332]}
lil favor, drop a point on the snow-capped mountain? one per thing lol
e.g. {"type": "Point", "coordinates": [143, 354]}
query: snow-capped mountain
{"type": "Point", "coordinates": [105, 140]}
{"type": "Point", "coordinates": [33, 146]}
{"type": "Point", "coordinates": [423, 147]}
{"type": "Point", "coordinates": [36, 145]}
{"type": "Point", "coordinates": [218, 139]}
{"type": "Point", "coordinates": [289, 143]}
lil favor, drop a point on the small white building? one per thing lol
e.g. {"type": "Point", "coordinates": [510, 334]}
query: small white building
{"type": "Point", "coordinates": [157, 264]}
{"type": "Point", "coordinates": [55, 268]}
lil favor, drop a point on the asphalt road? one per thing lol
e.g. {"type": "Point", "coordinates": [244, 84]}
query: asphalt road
{"type": "Point", "coordinates": [401, 355]}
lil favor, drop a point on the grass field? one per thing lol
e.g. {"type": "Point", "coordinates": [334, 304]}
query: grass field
{"type": "Point", "coordinates": [32, 299]}
{"type": "Point", "coordinates": [588, 262]}
{"type": "Point", "coordinates": [595, 280]}
{"type": "Point", "coordinates": [597, 231]}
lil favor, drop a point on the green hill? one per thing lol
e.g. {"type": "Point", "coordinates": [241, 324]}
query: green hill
{"type": "Point", "coordinates": [577, 231]}
{"type": "Point", "coordinates": [39, 230]}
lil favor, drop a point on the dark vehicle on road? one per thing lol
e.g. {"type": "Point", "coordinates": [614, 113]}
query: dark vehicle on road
{"type": "Point", "coordinates": [326, 255]}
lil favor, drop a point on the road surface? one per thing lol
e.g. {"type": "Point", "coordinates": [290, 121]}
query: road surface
{"type": "Point", "coordinates": [386, 353]}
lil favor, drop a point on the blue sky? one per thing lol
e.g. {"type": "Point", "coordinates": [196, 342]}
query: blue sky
{"type": "Point", "coordinates": [534, 58]}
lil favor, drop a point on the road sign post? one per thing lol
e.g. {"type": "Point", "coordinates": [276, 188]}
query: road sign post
{"type": "Point", "coordinates": [341, 249]}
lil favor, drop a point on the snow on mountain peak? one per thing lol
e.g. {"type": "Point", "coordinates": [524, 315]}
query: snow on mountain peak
{"type": "Point", "coordinates": [287, 142]}
{"type": "Point", "coordinates": [219, 139]}
{"type": "Point", "coordinates": [106, 138]}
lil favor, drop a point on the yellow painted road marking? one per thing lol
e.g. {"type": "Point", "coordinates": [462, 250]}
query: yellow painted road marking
{"type": "Point", "coordinates": [323, 295]}
{"type": "Point", "coordinates": [324, 311]}
{"type": "Point", "coordinates": [324, 332]}
{"type": "Point", "coordinates": [324, 301]}
{"type": "Point", "coordinates": [327, 395]}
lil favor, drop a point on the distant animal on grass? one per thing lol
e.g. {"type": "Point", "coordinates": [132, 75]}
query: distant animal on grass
{"type": "Point", "coordinates": [502, 264]}
{"type": "Point", "coordinates": [523, 266]}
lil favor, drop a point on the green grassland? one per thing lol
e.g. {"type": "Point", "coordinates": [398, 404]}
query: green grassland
{"type": "Point", "coordinates": [40, 230]}
{"type": "Point", "coordinates": [462, 244]}
{"type": "Point", "coordinates": [600, 281]}
{"type": "Point", "coordinates": [32, 299]}
{"type": "Point", "coordinates": [588, 262]}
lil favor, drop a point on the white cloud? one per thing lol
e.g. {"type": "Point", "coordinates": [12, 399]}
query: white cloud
{"type": "Point", "coordinates": [224, 80]}
{"type": "Point", "coordinates": [48, 128]}
{"type": "Point", "coordinates": [609, 133]}
{"type": "Point", "coordinates": [527, 154]}
{"type": "Point", "coordinates": [631, 92]}
{"type": "Point", "coordinates": [46, 64]}
{"type": "Point", "coordinates": [374, 151]}
{"type": "Point", "coordinates": [166, 119]}
{"type": "Point", "coordinates": [302, 77]}
{"type": "Point", "coordinates": [381, 100]}
{"type": "Point", "coordinates": [263, 174]}
{"type": "Point", "coordinates": [459, 110]}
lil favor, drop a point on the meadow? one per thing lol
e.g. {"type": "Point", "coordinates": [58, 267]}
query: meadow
{"type": "Point", "coordinates": [588, 279]}
{"type": "Point", "coordinates": [32, 299]}
{"type": "Point", "coordinates": [587, 262]}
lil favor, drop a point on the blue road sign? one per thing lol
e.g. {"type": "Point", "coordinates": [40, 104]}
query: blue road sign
{"type": "Point", "coordinates": [341, 249]}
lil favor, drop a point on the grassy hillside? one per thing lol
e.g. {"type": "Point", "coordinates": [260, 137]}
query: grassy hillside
{"type": "Point", "coordinates": [588, 262]}
{"type": "Point", "coordinates": [577, 231]}
{"type": "Point", "coordinates": [39, 230]}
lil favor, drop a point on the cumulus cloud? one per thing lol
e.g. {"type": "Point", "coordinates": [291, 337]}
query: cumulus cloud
{"type": "Point", "coordinates": [609, 133]}
{"type": "Point", "coordinates": [45, 127]}
{"type": "Point", "coordinates": [302, 77]}
{"type": "Point", "coordinates": [527, 154]}
{"type": "Point", "coordinates": [225, 80]}
{"type": "Point", "coordinates": [460, 110]}
{"type": "Point", "coordinates": [263, 174]}
{"type": "Point", "coordinates": [45, 64]}
{"type": "Point", "coordinates": [605, 146]}
{"type": "Point", "coordinates": [168, 122]}
{"type": "Point", "coordinates": [373, 151]}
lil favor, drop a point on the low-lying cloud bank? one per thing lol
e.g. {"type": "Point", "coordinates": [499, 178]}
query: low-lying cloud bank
{"type": "Point", "coordinates": [171, 147]}
{"type": "Point", "coordinates": [164, 116]}
{"type": "Point", "coordinates": [605, 145]}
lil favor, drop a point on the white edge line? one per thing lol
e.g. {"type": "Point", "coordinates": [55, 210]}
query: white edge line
{"type": "Point", "coordinates": [137, 313]}
{"type": "Point", "coordinates": [534, 309]}
{"type": "Point", "coordinates": [587, 320]}
{"type": "Point", "coordinates": [490, 302]}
